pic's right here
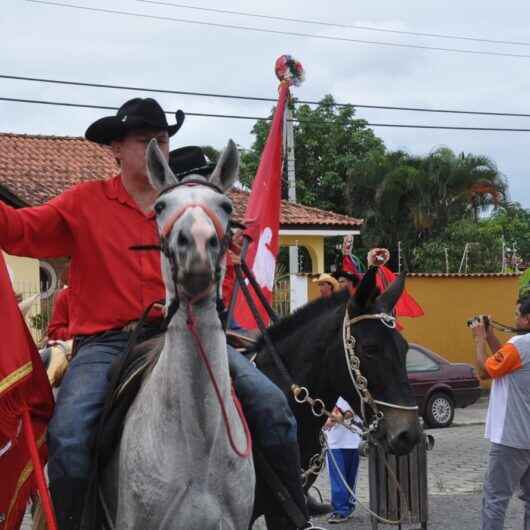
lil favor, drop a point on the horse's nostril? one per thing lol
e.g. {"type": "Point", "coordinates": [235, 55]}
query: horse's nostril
{"type": "Point", "coordinates": [212, 242]}
{"type": "Point", "coordinates": [182, 240]}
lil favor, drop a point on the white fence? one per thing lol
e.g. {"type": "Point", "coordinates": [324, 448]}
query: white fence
{"type": "Point", "coordinates": [39, 313]}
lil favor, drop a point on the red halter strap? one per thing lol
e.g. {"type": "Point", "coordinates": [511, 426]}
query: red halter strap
{"type": "Point", "coordinates": [175, 216]}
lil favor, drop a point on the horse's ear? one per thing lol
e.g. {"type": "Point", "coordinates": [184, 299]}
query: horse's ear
{"type": "Point", "coordinates": [367, 288]}
{"type": "Point", "coordinates": [226, 171]}
{"type": "Point", "coordinates": [388, 299]}
{"type": "Point", "coordinates": [158, 171]}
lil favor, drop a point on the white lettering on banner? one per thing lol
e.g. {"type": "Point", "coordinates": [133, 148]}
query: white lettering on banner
{"type": "Point", "coordinates": [264, 261]}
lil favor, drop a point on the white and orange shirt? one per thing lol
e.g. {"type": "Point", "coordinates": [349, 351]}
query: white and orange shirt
{"type": "Point", "coordinates": [508, 419]}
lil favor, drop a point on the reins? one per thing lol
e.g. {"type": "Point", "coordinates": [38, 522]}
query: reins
{"type": "Point", "coordinates": [191, 325]}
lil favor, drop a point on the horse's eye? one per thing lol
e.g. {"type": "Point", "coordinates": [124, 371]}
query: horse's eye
{"type": "Point", "coordinates": [227, 207]}
{"type": "Point", "coordinates": [159, 207]}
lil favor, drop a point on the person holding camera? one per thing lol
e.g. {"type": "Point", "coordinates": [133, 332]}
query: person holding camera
{"type": "Point", "coordinates": [508, 418]}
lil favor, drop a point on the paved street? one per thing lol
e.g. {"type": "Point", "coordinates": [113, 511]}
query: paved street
{"type": "Point", "coordinates": [456, 468]}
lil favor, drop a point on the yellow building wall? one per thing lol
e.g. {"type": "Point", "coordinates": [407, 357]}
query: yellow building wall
{"type": "Point", "coordinates": [313, 244]}
{"type": "Point", "coordinates": [449, 302]}
{"type": "Point", "coordinates": [25, 271]}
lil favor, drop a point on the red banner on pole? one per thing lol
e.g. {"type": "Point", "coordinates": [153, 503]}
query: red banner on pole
{"type": "Point", "coordinates": [26, 406]}
{"type": "Point", "coordinates": [262, 215]}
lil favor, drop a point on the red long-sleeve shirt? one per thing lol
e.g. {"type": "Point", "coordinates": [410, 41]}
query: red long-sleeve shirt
{"type": "Point", "coordinates": [94, 223]}
{"type": "Point", "coordinates": [59, 325]}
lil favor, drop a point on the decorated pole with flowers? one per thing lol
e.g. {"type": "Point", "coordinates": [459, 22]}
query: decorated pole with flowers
{"type": "Point", "coordinates": [262, 216]}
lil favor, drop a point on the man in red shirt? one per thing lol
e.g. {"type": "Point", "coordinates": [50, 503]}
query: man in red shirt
{"type": "Point", "coordinates": [96, 223]}
{"type": "Point", "coordinates": [59, 325]}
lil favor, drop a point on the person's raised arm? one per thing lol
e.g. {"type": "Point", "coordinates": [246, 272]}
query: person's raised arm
{"type": "Point", "coordinates": [36, 232]}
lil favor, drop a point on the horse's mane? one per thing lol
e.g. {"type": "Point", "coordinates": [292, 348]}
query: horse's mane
{"type": "Point", "coordinates": [303, 316]}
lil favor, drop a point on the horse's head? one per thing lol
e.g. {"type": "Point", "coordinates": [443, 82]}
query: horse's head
{"type": "Point", "coordinates": [382, 352]}
{"type": "Point", "coordinates": [192, 216]}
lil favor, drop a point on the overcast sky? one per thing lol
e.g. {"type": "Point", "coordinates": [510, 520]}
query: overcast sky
{"type": "Point", "coordinates": [63, 43]}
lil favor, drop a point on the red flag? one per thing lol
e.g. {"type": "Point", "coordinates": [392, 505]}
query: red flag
{"type": "Point", "coordinates": [25, 394]}
{"type": "Point", "coordinates": [262, 216]}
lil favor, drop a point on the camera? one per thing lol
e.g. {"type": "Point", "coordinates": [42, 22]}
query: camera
{"type": "Point", "coordinates": [485, 319]}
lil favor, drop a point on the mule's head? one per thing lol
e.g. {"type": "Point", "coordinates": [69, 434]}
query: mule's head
{"type": "Point", "coordinates": [192, 220]}
{"type": "Point", "coordinates": [382, 352]}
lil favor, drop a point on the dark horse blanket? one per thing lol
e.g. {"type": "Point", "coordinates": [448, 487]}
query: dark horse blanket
{"type": "Point", "coordinates": [125, 380]}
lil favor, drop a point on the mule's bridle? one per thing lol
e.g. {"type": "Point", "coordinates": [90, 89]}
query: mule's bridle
{"type": "Point", "coordinates": [353, 362]}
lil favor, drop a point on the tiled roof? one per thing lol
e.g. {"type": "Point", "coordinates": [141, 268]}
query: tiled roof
{"type": "Point", "coordinates": [463, 275]}
{"type": "Point", "coordinates": [38, 168]}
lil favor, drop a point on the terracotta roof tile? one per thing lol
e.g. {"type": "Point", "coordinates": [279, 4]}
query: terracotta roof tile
{"type": "Point", "coordinates": [37, 168]}
{"type": "Point", "coordinates": [462, 274]}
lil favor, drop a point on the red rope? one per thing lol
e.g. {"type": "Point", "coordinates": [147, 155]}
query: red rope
{"type": "Point", "coordinates": [248, 449]}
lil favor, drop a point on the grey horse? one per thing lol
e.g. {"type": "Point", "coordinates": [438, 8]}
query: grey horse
{"type": "Point", "coordinates": [180, 465]}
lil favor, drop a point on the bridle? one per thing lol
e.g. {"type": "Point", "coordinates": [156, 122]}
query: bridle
{"type": "Point", "coordinates": [360, 384]}
{"type": "Point", "coordinates": [224, 237]}
{"type": "Point", "coordinates": [353, 362]}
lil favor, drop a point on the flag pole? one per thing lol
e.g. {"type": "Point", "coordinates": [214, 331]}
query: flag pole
{"type": "Point", "coordinates": [232, 306]}
{"type": "Point", "coordinates": [44, 493]}
{"type": "Point", "coordinates": [267, 183]}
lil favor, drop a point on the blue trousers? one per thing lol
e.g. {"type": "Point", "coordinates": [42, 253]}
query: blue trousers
{"type": "Point", "coordinates": [347, 461]}
{"type": "Point", "coordinates": [82, 393]}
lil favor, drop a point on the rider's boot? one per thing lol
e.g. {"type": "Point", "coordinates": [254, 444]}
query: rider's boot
{"type": "Point", "coordinates": [68, 497]}
{"type": "Point", "coordinates": [285, 462]}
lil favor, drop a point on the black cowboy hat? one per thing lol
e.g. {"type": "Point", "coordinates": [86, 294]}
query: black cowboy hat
{"type": "Point", "coordinates": [187, 160]}
{"type": "Point", "coordinates": [348, 275]}
{"type": "Point", "coordinates": [135, 114]}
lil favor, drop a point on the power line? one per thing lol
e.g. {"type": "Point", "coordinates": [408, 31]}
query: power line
{"type": "Point", "coordinates": [278, 32]}
{"type": "Point", "coordinates": [335, 24]}
{"type": "Point", "coordinates": [104, 107]}
{"type": "Point", "coordinates": [256, 98]}
{"type": "Point", "coordinates": [242, 117]}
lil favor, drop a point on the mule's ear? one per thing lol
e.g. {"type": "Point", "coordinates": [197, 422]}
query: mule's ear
{"type": "Point", "coordinates": [388, 299]}
{"type": "Point", "coordinates": [158, 170]}
{"type": "Point", "coordinates": [367, 288]}
{"type": "Point", "coordinates": [226, 171]}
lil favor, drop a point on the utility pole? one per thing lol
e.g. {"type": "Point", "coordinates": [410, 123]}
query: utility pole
{"type": "Point", "coordinates": [291, 180]}
{"type": "Point", "coordinates": [294, 284]}
{"type": "Point", "coordinates": [503, 262]}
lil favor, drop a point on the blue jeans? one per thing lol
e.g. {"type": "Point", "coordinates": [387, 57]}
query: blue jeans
{"type": "Point", "coordinates": [80, 403]}
{"type": "Point", "coordinates": [82, 394]}
{"type": "Point", "coordinates": [347, 461]}
{"type": "Point", "coordinates": [269, 416]}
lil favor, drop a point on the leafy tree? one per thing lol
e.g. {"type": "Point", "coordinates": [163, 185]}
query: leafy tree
{"type": "Point", "coordinates": [510, 223]}
{"type": "Point", "coordinates": [330, 143]}
{"type": "Point", "coordinates": [425, 202]}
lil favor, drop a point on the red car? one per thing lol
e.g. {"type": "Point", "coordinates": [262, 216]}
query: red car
{"type": "Point", "coordinates": [440, 386]}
